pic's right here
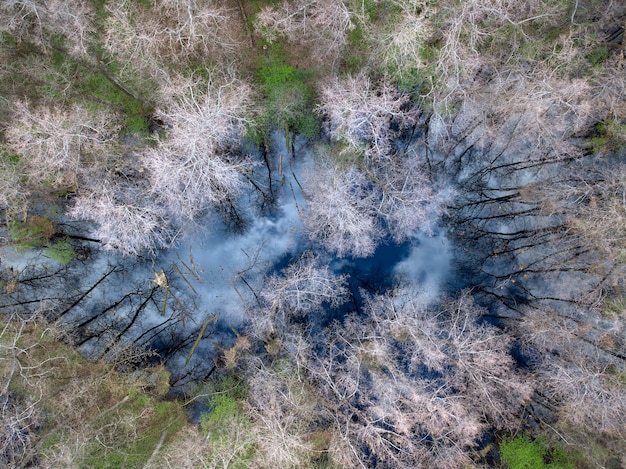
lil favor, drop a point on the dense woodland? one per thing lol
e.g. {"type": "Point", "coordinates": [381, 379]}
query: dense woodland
{"type": "Point", "coordinates": [128, 127]}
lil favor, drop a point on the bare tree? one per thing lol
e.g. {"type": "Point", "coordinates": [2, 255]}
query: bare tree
{"type": "Point", "coordinates": [305, 286]}
{"type": "Point", "coordinates": [127, 218]}
{"type": "Point", "coordinates": [55, 143]}
{"type": "Point", "coordinates": [191, 168]}
{"type": "Point", "coordinates": [367, 117]}
{"type": "Point", "coordinates": [408, 387]}
{"type": "Point", "coordinates": [485, 373]}
{"type": "Point", "coordinates": [467, 28]}
{"type": "Point", "coordinates": [533, 101]}
{"type": "Point", "coordinates": [320, 24]}
{"type": "Point", "coordinates": [401, 50]}
{"type": "Point", "coordinates": [472, 358]}
{"type": "Point", "coordinates": [600, 212]}
{"type": "Point", "coordinates": [284, 409]}
{"type": "Point", "coordinates": [589, 394]}
{"type": "Point", "coordinates": [73, 21]}
{"type": "Point", "coordinates": [400, 385]}
{"type": "Point", "coordinates": [581, 368]}
{"type": "Point", "coordinates": [349, 209]}
{"type": "Point", "coordinates": [407, 200]}
{"type": "Point", "coordinates": [13, 194]}
{"type": "Point", "coordinates": [152, 37]}
{"type": "Point", "coordinates": [340, 211]}
{"type": "Point", "coordinates": [18, 413]}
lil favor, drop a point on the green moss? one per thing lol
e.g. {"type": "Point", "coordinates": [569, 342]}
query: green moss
{"type": "Point", "coordinates": [356, 36]}
{"type": "Point", "coordinates": [49, 443]}
{"type": "Point", "coordinates": [415, 81]}
{"type": "Point", "coordinates": [553, 35]}
{"type": "Point", "coordinates": [373, 9]}
{"type": "Point", "coordinates": [51, 92]}
{"type": "Point", "coordinates": [140, 400]}
{"type": "Point", "coordinates": [163, 408]}
{"type": "Point", "coordinates": [357, 51]}
{"type": "Point", "coordinates": [428, 52]}
{"type": "Point", "coordinates": [61, 251]}
{"type": "Point", "coordinates": [35, 232]}
{"type": "Point", "coordinates": [354, 60]}
{"type": "Point", "coordinates": [99, 86]}
{"type": "Point", "coordinates": [57, 40]}
{"type": "Point", "coordinates": [100, 8]}
{"type": "Point", "coordinates": [340, 153]}
{"type": "Point", "coordinates": [103, 91]}
{"type": "Point", "coordinates": [616, 131]}
{"type": "Point", "coordinates": [136, 453]}
{"type": "Point", "coordinates": [291, 105]}
{"type": "Point", "coordinates": [596, 144]}
{"type": "Point", "coordinates": [225, 409]}
{"type": "Point", "coordinates": [58, 59]}
{"type": "Point", "coordinates": [199, 70]}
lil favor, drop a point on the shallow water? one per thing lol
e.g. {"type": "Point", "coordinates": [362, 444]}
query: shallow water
{"type": "Point", "coordinates": [106, 301]}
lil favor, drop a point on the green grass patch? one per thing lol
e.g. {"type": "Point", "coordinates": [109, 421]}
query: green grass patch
{"type": "Point", "coordinates": [57, 40]}
{"type": "Point", "coordinates": [356, 53]}
{"type": "Point", "coordinates": [132, 446]}
{"type": "Point", "coordinates": [58, 59]}
{"type": "Point", "coordinates": [90, 85]}
{"type": "Point", "coordinates": [227, 421]}
{"type": "Point", "coordinates": [99, 86]}
{"type": "Point", "coordinates": [597, 56]}
{"type": "Point", "coordinates": [103, 92]}
{"type": "Point", "coordinates": [523, 453]}
{"type": "Point", "coordinates": [276, 75]}
{"type": "Point", "coordinates": [9, 158]}
{"type": "Point", "coordinates": [597, 144]}
{"type": "Point", "coordinates": [163, 409]}
{"type": "Point", "coordinates": [373, 9]}
{"type": "Point", "coordinates": [130, 429]}
{"type": "Point", "coordinates": [7, 39]}
{"type": "Point", "coordinates": [138, 125]}
{"type": "Point", "coordinates": [610, 136]}
{"type": "Point", "coordinates": [289, 98]}
{"type": "Point", "coordinates": [100, 8]}
{"type": "Point", "coordinates": [225, 410]}
{"type": "Point", "coordinates": [614, 305]}
{"type": "Point", "coordinates": [225, 400]}
{"type": "Point", "coordinates": [85, 412]}
{"type": "Point", "coordinates": [428, 52]}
